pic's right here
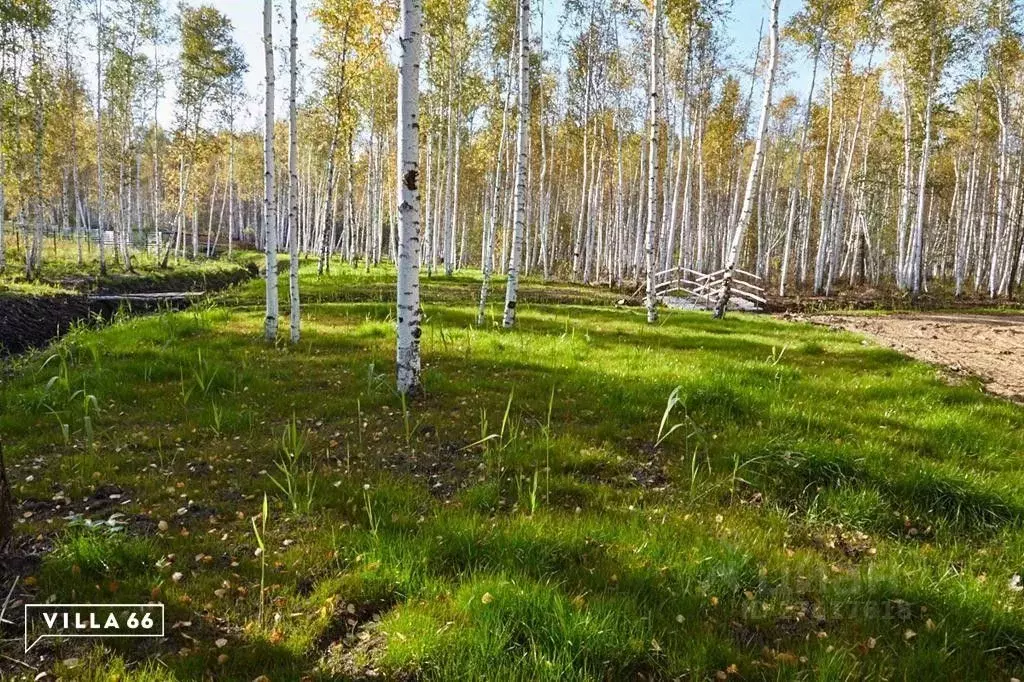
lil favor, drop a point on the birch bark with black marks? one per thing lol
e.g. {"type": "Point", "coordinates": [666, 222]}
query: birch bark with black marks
{"type": "Point", "coordinates": [409, 312]}
{"type": "Point", "coordinates": [269, 190]}
{"type": "Point", "coordinates": [293, 180]}
{"type": "Point", "coordinates": [522, 127]}
{"type": "Point", "coordinates": [651, 300]}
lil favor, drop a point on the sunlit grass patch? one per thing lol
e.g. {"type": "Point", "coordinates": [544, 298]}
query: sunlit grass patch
{"type": "Point", "coordinates": [543, 511]}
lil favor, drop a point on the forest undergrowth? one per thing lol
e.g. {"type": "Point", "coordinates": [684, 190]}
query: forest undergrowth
{"type": "Point", "coordinates": [584, 497]}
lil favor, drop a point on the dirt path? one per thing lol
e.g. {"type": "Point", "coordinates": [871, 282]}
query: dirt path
{"type": "Point", "coordinates": [990, 347]}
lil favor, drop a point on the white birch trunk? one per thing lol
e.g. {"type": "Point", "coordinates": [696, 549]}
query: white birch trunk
{"type": "Point", "coordinates": [293, 181]}
{"type": "Point", "coordinates": [755, 167]}
{"type": "Point", "coordinates": [917, 247]}
{"type": "Point", "coordinates": [653, 165]}
{"type": "Point", "coordinates": [99, 136]}
{"type": "Point", "coordinates": [794, 190]}
{"type": "Point", "coordinates": [522, 127]}
{"type": "Point", "coordinates": [905, 196]}
{"type": "Point", "coordinates": [231, 191]}
{"type": "Point", "coordinates": [269, 190]}
{"type": "Point", "coordinates": [1000, 191]}
{"type": "Point", "coordinates": [409, 312]}
{"type": "Point", "coordinates": [491, 225]}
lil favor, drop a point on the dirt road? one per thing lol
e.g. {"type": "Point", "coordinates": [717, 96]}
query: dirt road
{"type": "Point", "coordinates": [990, 347]}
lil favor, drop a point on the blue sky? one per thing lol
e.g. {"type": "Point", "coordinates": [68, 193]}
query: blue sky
{"type": "Point", "coordinates": [247, 17]}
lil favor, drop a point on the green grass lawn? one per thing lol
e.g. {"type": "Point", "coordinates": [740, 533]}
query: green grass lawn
{"type": "Point", "coordinates": [811, 506]}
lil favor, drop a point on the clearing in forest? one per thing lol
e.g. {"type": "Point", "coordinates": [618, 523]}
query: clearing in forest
{"type": "Point", "coordinates": [804, 506]}
{"type": "Point", "coordinates": [989, 347]}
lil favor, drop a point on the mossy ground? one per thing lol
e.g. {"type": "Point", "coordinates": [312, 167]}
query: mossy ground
{"type": "Point", "coordinates": [826, 509]}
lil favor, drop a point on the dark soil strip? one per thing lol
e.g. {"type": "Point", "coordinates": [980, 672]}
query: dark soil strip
{"type": "Point", "coordinates": [159, 281]}
{"type": "Point", "coordinates": [871, 299]}
{"type": "Point", "coordinates": [33, 321]}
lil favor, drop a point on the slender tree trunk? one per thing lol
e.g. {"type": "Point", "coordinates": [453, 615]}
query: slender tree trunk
{"type": "Point", "coordinates": [99, 137]}
{"type": "Point", "coordinates": [156, 163]}
{"type": "Point", "coordinates": [794, 190]}
{"type": "Point", "coordinates": [324, 261]}
{"type": "Point", "coordinates": [653, 165]}
{"type": "Point", "coordinates": [231, 189]}
{"type": "Point", "coordinates": [293, 180]}
{"type": "Point", "coordinates": [1000, 217]}
{"type": "Point", "coordinates": [195, 223]}
{"type": "Point", "coordinates": [522, 141]}
{"type": "Point", "coordinates": [35, 259]}
{"type": "Point", "coordinates": [456, 253]}
{"type": "Point", "coordinates": [3, 197]}
{"type": "Point", "coordinates": [827, 180]}
{"type": "Point", "coordinates": [578, 242]}
{"type": "Point", "coordinates": [491, 225]}
{"type": "Point", "coordinates": [409, 312]}
{"type": "Point", "coordinates": [448, 225]}
{"type": "Point", "coordinates": [269, 190]}
{"type": "Point", "coordinates": [905, 197]}
{"type": "Point", "coordinates": [755, 167]}
{"type": "Point", "coordinates": [917, 249]}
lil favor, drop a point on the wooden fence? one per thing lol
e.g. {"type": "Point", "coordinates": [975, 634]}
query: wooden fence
{"type": "Point", "coordinates": [705, 288]}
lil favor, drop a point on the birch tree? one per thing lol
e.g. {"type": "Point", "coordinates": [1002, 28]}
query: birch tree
{"type": "Point", "coordinates": [409, 313]}
{"type": "Point", "coordinates": [739, 231]}
{"type": "Point", "coordinates": [38, 20]}
{"type": "Point", "coordinates": [653, 157]}
{"type": "Point", "coordinates": [293, 178]}
{"type": "Point", "coordinates": [269, 190]}
{"type": "Point", "coordinates": [208, 66]}
{"type": "Point", "coordinates": [924, 38]}
{"type": "Point", "coordinates": [99, 137]}
{"type": "Point", "coordinates": [904, 171]}
{"type": "Point", "coordinates": [522, 125]}
{"type": "Point", "coordinates": [807, 29]}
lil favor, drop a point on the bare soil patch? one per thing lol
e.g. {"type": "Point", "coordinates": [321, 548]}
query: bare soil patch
{"type": "Point", "coordinates": [28, 321]}
{"type": "Point", "coordinates": [989, 347]}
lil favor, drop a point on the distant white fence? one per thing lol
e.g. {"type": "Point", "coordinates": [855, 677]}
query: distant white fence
{"type": "Point", "coordinates": [704, 289]}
